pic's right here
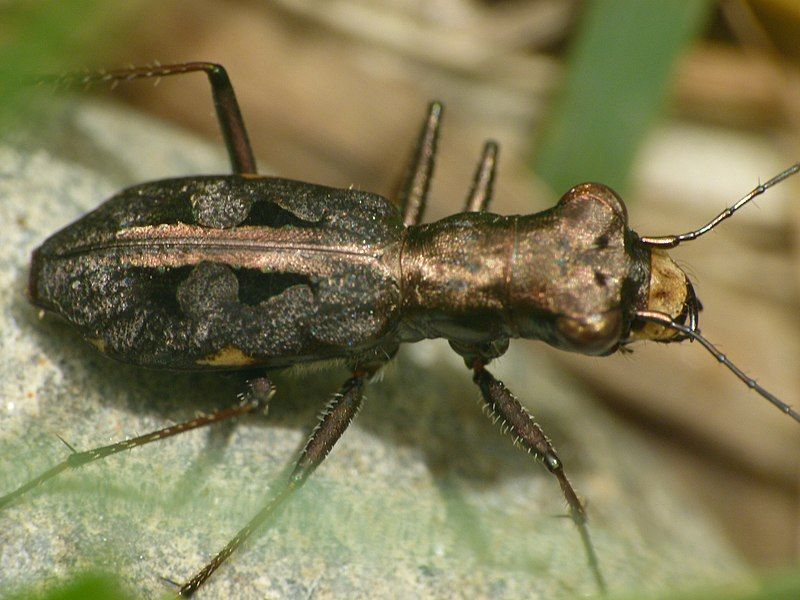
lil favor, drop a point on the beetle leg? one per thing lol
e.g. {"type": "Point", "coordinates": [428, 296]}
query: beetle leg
{"type": "Point", "coordinates": [228, 114]}
{"type": "Point", "coordinates": [481, 192]}
{"type": "Point", "coordinates": [335, 418]}
{"type": "Point", "coordinates": [413, 192]}
{"type": "Point", "coordinates": [256, 398]}
{"type": "Point", "coordinates": [503, 406]}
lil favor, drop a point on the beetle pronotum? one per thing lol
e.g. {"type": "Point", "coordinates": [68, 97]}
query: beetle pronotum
{"type": "Point", "coordinates": [157, 276]}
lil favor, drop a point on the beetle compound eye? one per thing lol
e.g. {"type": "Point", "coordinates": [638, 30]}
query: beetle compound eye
{"type": "Point", "coordinates": [599, 194]}
{"type": "Point", "coordinates": [592, 335]}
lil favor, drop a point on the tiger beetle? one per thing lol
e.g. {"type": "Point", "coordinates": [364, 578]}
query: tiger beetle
{"type": "Point", "coordinates": [247, 271]}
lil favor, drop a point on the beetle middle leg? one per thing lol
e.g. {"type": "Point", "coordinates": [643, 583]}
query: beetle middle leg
{"type": "Point", "coordinates": [413, 194]}
{"type": "Point", "coordinates": [334, 420]}
{"type": "Point", "coordinates": [502, 406]}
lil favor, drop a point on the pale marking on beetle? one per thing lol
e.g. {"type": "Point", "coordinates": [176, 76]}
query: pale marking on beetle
{"type": "Point", "coordinates": [230, 356]}
{"type": "Point", "coordinates": [667, 294]}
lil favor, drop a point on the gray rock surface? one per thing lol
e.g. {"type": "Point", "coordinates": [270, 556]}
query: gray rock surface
{"type": "Point", "coordinates": [422, 497]}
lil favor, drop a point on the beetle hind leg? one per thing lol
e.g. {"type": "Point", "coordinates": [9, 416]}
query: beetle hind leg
{"type": "Point", "coordinates": [254, 400]}
{"type": "Point", "coordinates": [334, 420]}
{"type": "Point", "coordinates": [227, 107]}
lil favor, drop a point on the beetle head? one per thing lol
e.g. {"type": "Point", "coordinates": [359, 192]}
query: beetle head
{"type": "Point", "coordinates": [671, 293]}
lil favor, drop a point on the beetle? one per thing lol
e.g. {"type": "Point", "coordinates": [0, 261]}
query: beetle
{"type": "Point", "coordinates": [247, 271]}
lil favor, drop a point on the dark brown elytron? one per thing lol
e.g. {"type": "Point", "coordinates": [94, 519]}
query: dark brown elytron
{"type": "Point", "coordinates": [241, 270]}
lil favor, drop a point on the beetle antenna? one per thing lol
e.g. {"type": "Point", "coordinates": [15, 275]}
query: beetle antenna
{"type": "Point", "coordinates": [670, 241]}
{"type": "Point", "coordinates": [665, 320]}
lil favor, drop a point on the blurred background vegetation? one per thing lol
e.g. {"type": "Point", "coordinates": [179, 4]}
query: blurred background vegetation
{"type": "Point", "coordinates": [682, 105]}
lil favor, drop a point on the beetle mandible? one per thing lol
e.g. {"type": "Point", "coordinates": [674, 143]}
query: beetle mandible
{"type": "Point", "coordinates": [242, 270]}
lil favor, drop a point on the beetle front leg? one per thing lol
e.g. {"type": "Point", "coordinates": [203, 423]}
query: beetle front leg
{"type": "Point", "coordinates": [514, 419]}
{"type": "Point", "coordinates": [335, 418]}
{"type": "Point", "coordinates": [480, 194]}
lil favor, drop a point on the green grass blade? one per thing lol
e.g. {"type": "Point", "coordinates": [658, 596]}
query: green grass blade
{"type": "Point", "coordinates": [619, 71]}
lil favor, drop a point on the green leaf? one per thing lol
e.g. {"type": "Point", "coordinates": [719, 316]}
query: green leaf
{"type": "Point", "coordinates": [83, 587]}
{"type": "Point", "coordinates": [51, 37]}
{"type": "Point", "coordinates": [618, 74]}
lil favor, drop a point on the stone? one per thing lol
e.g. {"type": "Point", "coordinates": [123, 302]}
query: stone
{"type": "Point", "coordinates": [421, 498]}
